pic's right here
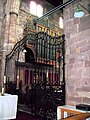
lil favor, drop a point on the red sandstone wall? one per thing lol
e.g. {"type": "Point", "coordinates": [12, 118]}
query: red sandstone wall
{"type": "Point", "coordinates": [77, 32]}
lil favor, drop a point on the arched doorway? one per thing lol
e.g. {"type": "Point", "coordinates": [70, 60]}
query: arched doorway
{"type": "Point", "coordinates": [29, 55]}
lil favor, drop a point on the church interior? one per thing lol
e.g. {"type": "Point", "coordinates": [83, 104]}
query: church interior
{"type": "Point", "coordinates": [45, 59]}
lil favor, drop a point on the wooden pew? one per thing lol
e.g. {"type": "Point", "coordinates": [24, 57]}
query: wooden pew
{"type": "Point", "coordinates": [82, 116]}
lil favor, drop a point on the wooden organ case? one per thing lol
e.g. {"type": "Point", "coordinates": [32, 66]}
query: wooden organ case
{"type": "Point", "coordinates": [42, 86]}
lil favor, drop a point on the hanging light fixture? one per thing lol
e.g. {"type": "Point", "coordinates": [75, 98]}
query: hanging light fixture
{"type": "Point", "coordinates": [79, 12]}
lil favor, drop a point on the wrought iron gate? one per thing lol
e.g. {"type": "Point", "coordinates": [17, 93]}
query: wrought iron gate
{"type": "Point", "coordinates": [49, 85]}
{"type": "Point", "coordinates": [47, 88]}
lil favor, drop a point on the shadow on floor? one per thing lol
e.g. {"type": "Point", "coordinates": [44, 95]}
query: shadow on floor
{"type": "Point", "coordinates": [25, 116]}
{"type": "Point", "coordinates": [24, 113]}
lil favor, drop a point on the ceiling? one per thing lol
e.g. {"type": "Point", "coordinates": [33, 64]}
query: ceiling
{"type": "Point", "coordinates": [55, 2]}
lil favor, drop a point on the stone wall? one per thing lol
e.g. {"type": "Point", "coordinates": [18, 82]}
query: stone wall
{"type": "Point", "coordinates": [24, 12]}
{"type": "Point", "coordinates": [77, 32]}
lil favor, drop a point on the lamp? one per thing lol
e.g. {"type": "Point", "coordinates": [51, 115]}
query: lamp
{"type": "Point", "coordinates": [79, 12]}
{"type": "Point", "coordinates": [24, 51]}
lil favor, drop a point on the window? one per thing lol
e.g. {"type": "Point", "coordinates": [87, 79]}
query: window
{"type": "Point", "coordinates": [61, 22]}
{"type": "Point", "coordinates": [39, 10]}
{"type": "Point", "coordinates": [36, 9]}
{"type": "Point", "coordinates": [33, 7]}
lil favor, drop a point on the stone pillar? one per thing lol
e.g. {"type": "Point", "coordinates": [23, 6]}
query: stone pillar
{"type": "Point", "coordinates": [1, 37]}
{"type": "Point", "coordinates": [77, 32]}
{"type": "Point", "coordinates": [11, 11]}
{"type": "Point", "coordinates": [14, 11]}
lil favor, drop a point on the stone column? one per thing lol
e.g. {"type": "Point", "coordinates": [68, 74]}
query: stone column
{"type": "Point", "coordinates": [11, 11]}
{"type": "Point", "coordinates": [1, 37]}
{"type": "Point", "coordinates": [14, 11]}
